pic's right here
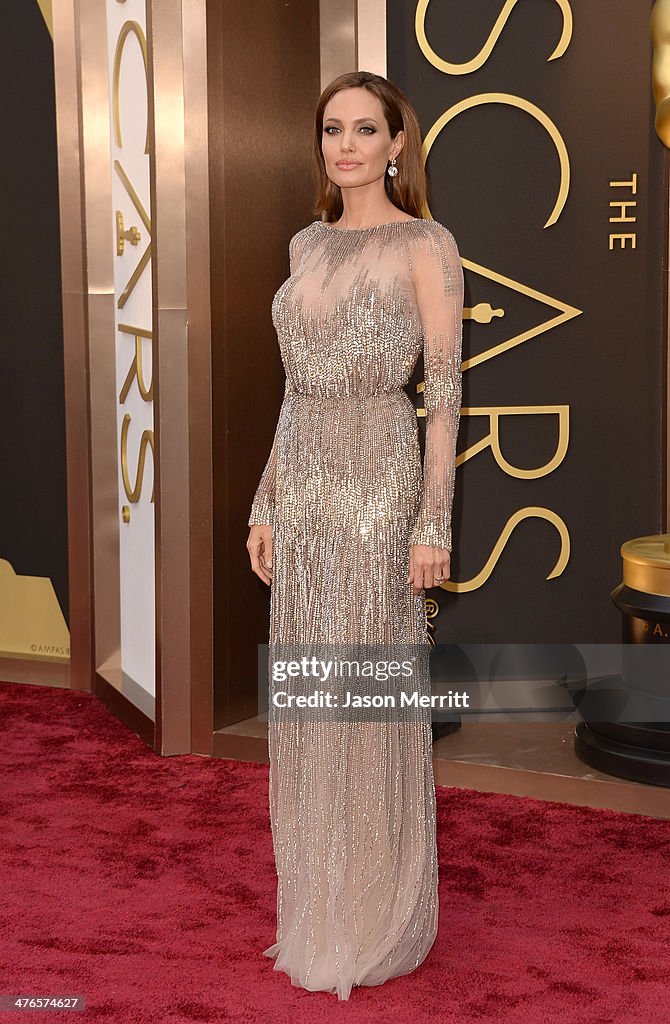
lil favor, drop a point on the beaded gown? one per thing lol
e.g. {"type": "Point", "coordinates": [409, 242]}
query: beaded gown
{"type": "Point", "coordinates": [352, 806]}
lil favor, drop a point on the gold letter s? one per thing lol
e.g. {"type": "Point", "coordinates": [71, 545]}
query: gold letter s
{"type": "Point", "coordinates": [485, 52]}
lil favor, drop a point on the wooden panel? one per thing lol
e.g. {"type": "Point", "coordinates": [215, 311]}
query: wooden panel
{"type": "Point", "coordinates": [263, 84]}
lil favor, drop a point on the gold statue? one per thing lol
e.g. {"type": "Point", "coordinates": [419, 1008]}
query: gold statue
{"type": "Point", "coordinates": [660, 67]}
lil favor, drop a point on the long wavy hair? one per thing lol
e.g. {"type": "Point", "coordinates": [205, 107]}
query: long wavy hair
{"type": "Point", "coordinates": [408, 190]}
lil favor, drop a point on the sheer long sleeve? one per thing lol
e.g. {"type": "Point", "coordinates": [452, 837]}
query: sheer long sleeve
{"type": "Point", "coordinates": [437, 273]}
{"type": "Point", "coordinates": [263, 505]}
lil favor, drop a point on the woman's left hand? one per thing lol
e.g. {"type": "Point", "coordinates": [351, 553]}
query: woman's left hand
{"type": "Point", "coordinates": [428, 567]}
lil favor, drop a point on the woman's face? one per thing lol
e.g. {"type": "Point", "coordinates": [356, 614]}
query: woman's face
{"type": "Point", "coordinates": [356, 141]}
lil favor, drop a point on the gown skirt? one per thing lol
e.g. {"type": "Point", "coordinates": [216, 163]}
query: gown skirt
{"type": "Point", "coordinates": [352, 796]}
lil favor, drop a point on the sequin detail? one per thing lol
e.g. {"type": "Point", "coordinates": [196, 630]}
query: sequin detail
{"type": "Point", "coordinates": [346, 494]}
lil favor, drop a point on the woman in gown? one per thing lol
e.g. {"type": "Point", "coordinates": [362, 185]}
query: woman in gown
{"type": "Point", "coordinates": [350, 529]}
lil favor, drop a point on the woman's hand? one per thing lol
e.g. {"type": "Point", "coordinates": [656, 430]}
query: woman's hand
{"type": "Point", "coordinates": [428, 567]}
{"type": "Point", "coordinates": [259, 546]}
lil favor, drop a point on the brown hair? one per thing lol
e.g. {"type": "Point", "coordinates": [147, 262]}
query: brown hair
{"type": "Point", "coordinates": [408, 190]}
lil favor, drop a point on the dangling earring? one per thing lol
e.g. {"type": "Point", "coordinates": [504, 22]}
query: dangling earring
{"type": "Point", "coordinates": [392, 170]}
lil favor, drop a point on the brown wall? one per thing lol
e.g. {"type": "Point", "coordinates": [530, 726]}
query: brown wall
{"type": "Point", "coordinates": [263, 83]}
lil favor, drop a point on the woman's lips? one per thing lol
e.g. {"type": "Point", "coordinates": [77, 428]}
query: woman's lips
{"type": "Point", "coordinates": [347, 165]}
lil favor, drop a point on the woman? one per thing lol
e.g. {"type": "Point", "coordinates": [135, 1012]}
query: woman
{"type": "Point", "coordinates": [350, 532]}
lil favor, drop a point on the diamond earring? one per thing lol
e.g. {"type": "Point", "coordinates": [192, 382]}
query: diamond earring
{"type": "Point", "coordinates": [392, 170]}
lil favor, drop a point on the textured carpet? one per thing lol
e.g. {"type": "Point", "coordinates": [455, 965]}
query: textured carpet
{"type": "Point", "coordinates": [147, 884]}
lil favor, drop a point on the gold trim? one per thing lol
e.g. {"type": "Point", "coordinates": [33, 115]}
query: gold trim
{"type": "Point", "coordinates": [646, 564]}
{"type": "Point", "coordinates": [651, 550]}
{"type": "Point", "coordinates": [646, 578]}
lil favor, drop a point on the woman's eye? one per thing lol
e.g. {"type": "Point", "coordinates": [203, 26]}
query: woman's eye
{"type": "Point", "coordinates": [329, 129]}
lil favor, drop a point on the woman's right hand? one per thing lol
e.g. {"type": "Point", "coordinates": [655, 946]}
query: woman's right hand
{"type": "Point", "coordinates": [259, 546]}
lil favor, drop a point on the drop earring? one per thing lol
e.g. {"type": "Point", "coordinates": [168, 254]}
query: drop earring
{"type": "Point", "coordinates": [392, 170]}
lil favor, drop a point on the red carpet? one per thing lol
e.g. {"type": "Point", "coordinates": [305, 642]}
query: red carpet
{"type": "Point", "coordinates": [147, 884]}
